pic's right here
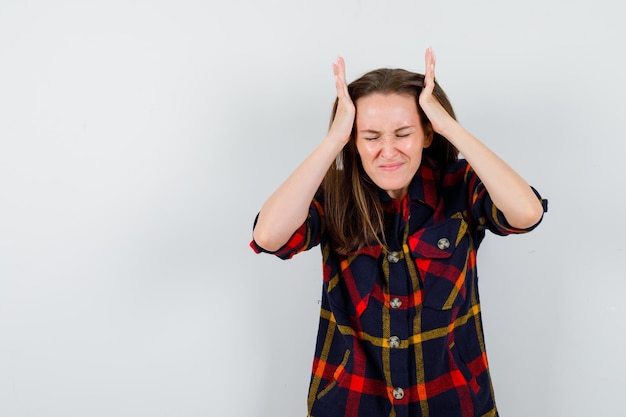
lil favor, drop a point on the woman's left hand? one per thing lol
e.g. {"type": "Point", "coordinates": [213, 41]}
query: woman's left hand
{"type": "Point", "coordinates": [438, 116]}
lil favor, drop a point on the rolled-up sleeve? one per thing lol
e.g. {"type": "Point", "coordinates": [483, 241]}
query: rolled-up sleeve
{"type": "Point", "coordinates": [306, 237]}
{"type": "Point", "coordinates": [485, 213]}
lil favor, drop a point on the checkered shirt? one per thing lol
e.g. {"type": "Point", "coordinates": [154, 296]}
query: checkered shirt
{"type": "Point", "coordinates": [400, 331]}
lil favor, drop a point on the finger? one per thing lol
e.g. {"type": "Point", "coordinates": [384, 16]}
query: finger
{"type": "Point", "coordinates": [338, 81]}
{"type": "Point", "coordinates": [339, 87]}
{"type": "Point", "coordinates": [339, 69]}
{"type": "Point", "coordinates": [429, 74]}
{"type": "Point", "coordinates": [342, 71]}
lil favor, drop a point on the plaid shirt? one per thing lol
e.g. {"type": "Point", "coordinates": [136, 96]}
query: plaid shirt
{"type": "Point", "coordinates": [400, 330]}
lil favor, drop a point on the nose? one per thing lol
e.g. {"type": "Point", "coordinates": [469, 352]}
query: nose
{"type": "Point", "coordinates": [388, 148]}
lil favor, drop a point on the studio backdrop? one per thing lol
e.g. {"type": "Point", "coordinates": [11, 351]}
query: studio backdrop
{"type": "Point", "coordinates": [139, 139]}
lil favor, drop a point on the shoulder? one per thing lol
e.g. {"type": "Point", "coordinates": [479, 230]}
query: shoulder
{"type": "Point", "coordinates": [459, 172]}
{"type": "Point", "coordinates": [459, 166]}
{"type": "Point", "coordinates": [318, 198]}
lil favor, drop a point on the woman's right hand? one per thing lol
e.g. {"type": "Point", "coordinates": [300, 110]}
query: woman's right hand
{"type": "Point", "coordinates": [288, 207]}
{"type": "Point", "coordinates": [342, 124]}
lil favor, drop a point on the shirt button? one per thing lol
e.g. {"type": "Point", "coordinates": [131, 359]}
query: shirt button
{"type": "Point", "coordinates": [394, 342]}
{"type": "Point", "coordinates": [443, 243]}
{"type": "Point", "coordinates": [398, 393]}
{"type": "Point", "coordinates": [393, 257]}
{"type": "Point", "coordinates": [395, 303]}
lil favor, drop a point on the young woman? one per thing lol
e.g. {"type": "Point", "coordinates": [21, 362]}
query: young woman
{"type": "Point", "coordinates": [399, 218]}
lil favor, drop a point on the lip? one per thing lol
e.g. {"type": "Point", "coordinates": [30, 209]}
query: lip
{"type": "Point", "coordinates": [391, 167]}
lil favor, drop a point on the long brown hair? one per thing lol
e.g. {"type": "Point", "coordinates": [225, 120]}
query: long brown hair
{"type": "Point", "coordinates": [351, 199]}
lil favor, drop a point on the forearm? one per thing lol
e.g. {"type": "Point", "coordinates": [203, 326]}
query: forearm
{"type": "Point", "coordinates": [287, 208]}
{"type": "Point", "coordinates": [508, 190]}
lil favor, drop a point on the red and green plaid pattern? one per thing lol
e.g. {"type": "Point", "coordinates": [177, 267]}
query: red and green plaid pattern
{"type": "Point", "coordinates": [400, 331]}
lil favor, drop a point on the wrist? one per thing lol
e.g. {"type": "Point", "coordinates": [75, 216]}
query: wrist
{"type": "Point", "coordinates": [452, 131]}
{"type": "Point", "coordinates": [336, 141]}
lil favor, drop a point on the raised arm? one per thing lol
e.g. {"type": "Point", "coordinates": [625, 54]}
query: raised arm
{"type": "Point", "coordinates": [508, 190]}
{"type": "Point", "coordinates": [287, 208]}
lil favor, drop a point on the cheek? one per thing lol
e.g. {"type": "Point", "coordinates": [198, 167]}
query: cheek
{"type": "Point", "coordinates": [365, 149]}
{"type": "Point", "coordinates": [414, 147]}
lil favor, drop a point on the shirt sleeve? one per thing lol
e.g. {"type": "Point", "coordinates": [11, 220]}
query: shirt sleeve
{"type": "Point", "coordinates": [485, 213]}
{"type": "Point", "coordinates": [306, 237]}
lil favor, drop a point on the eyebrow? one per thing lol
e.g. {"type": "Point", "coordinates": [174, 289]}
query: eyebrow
{"type": "Point", "coordinates": [377, 132]}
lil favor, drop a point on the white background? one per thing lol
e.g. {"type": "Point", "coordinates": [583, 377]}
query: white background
{"type": "Point", "coordinates": [138, 139]}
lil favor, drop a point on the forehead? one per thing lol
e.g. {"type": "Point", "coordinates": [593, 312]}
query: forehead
{"type": "Point", "coordinates": [386, 108]}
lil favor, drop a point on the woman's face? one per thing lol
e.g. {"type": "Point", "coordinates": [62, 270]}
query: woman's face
{"type": "Point", "coordinates": [390, 140]}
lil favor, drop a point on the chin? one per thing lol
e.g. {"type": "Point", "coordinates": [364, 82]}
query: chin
{"type": "Point", "coordinates": [393, 189]}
